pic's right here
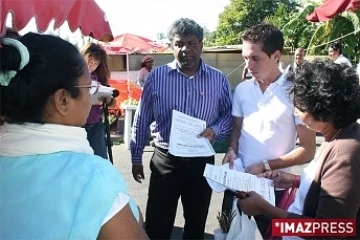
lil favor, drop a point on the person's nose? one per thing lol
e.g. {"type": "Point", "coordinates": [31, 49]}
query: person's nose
{"type": "Point", "coordinates": [249, 64]}
{"type": "Point", "coordinates": [185, 48]}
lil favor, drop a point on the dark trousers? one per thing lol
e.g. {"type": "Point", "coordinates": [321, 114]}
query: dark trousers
{"type": "Point", "coordinates": [263, 222]}
{"type": "Point", "coordinates": [97, 139]}
{"type": "Point", "coordinates": [171, 178]}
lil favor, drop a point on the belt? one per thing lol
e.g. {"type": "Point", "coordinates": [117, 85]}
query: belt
{"type": "Point", "coordinates": [91, 124]}
{"type": "Point", "coordinates": [164, 151]}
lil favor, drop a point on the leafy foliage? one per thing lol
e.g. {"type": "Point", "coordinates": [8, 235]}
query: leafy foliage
{"type": "Point", "coordinates": [225, 218]}
{"type": "Point", "coordinates": [241, 14]}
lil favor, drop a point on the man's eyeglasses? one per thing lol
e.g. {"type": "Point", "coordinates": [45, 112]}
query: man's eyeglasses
{"type": "Point", "coordinates": [93, 87]}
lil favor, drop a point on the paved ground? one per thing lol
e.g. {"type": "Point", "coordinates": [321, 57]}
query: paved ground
{"type": "Point", "coordinates": [139, 191]}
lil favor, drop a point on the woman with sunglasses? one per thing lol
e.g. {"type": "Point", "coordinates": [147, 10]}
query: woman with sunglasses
{"type": "Point", "coordinates": [96, 59]}
{"type": "Point", "coordinates": [52, 185]}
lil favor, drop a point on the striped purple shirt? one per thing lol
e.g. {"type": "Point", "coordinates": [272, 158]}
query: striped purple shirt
{"type": "Point", "coordinates": [206, 96]}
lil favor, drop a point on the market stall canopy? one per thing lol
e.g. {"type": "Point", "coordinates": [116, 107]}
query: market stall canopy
{"type": "Point", "coordinates": [332, 8]}
{"type": "Point", "coordinates": [129, 43]}
{"type": "Point", "coordinates": [83, 14]}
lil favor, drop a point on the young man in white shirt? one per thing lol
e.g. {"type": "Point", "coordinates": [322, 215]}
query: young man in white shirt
{"type": "Point", "coordinates": [265, 127]}
{"type": "Point", "coordinates": [335, 52]}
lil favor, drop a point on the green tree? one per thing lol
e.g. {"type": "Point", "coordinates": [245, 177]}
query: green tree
{"type": "Point", "coordinates": [316, 37]}
{"type": "Point", "coordinates": [241, 14]}
{"type": "Point", "coordinates": [296, 29]}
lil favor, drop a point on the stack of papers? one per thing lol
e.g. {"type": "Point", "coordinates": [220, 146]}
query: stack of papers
{"type": "Point", "coordinates": [222, 178]}
{"type": "Point", "coordinates": [184, 140]}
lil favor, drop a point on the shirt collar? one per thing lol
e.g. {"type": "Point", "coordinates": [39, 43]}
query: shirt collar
{"type": "Point", "coordinates": [280, 81]}
{"type": "Point", "coordinates": [175, 66]}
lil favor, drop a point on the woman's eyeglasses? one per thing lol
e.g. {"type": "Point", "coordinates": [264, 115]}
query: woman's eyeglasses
{"type": "Point", "coordinates": [93, 87]}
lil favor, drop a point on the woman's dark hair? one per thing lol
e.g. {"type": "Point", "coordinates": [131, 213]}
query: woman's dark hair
{"type": "Point", "coordinates": [12, 33]}
{"type": "Point", "coordinates": [54, 64]}
{"type": "Point", "coordinates": [328, 91]}
{"type": "Point", "coordinates": [185, 27]}
{"type": "Point", "coordinates": [96, 52]}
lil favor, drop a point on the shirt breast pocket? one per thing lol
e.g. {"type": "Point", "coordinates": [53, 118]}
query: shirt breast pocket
{"type": "Point", "coordinates": [208, 106]}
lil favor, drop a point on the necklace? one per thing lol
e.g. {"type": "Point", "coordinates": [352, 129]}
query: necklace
{"type": "Point", "coordinates": [324, 145]}
{"type": "Point", "coordinates": [336, 134]}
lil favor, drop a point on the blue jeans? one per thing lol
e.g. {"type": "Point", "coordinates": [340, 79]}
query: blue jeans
{"type": "Point", "coordinates": [96, 138]}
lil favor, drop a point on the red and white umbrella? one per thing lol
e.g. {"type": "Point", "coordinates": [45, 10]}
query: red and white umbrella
{"type": "Point", "coordinates": [128, 43]}
{"type": "Point", "coordinates": [83, 14]}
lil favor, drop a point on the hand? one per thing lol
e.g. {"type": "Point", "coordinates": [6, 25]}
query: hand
{"type": "Point", "coordinates": [138, 172]}
{"type": "Point", "coordinates": [107, 99]}
{"type": "Point", "coordinates": [208, 133]}
{"type": "Point", "coordinates": [255, 168]}
{"type": "Point", "coordinates": [280, 179]}
{"type": "Point", "coordinates": [253, 204]}
{"type": "Point", "coordinates": [230, 157]}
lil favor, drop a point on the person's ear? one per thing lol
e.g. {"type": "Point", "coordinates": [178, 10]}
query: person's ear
{"type": "Point", "coordinates": [61, 100]}
{"type": "Point", "coordinates": [201, 45]}
{"type": "Point", "coordinates": [277, 55]}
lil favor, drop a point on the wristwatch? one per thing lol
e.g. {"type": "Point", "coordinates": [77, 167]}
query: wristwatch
{"type": "Point", "coordinates": [266, 165]}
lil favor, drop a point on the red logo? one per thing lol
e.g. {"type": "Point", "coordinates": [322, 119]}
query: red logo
{"type": "Point", "coordinates": [313, 227]}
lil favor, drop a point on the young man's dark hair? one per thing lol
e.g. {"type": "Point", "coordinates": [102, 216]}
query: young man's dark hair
{"type": "Point", "coordinates": [266, 34]}
{"type": "Point", "coordinates": [336, 46]}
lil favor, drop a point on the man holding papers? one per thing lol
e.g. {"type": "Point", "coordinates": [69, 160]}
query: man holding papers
{"type": "Point", "coordinates": [265, 127]}
{"type": "Point", "coordinates": [190, 87]}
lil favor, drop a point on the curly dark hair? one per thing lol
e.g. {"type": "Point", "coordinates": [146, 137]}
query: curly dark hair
{"type": "Point", "coordinates": [185, 27]}
{"type": "Point", "coordinates": [328, 91]}
{"type": "Point", "coordinates": [266, 34]}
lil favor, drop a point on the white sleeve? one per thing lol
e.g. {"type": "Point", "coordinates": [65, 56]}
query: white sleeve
{"type": "Point", "coordinates": [141, 78]}
{"type": "Point", "coordinates": [120, 202]}
{"type": "Point", "coordinates": [236, 107]}
{"type": "Point", "coordinates": [287, 68]}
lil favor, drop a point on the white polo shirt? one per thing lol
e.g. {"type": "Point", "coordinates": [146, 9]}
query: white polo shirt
{"type": "Point", "coordinates": [343, 60]}
{"type": "Point", "coordinates": [269, 125]}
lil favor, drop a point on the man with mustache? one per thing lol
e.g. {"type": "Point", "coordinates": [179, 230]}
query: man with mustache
{"type": "Point", "coordinates": [190, 86]}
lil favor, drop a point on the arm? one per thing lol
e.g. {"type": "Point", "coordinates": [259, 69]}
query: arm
{"type": "Point", "coordinates": [230, 155]}
{"type": "Point", "coordinates": [339, 195]}
{"type": "Point", "coordinates": [141, 126]}
{"type": "Point", "coordinates": [303, 153]}
{"type": "Point", "coordinates": [122, 226]}
{"type": "Point", "coordinates": [141, 78]}
{"type": "Point", "coordinates": [222, 126]}
{"type": "Point", "coordinates": [235, 133]}
{"type": "Point", "coordinates": [236, 128]}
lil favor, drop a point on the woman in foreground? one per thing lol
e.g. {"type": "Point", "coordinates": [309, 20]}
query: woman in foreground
{"type": "Point", "coordinates": [52, 186]}
{"type": "Point", "coordinates": [327, 99]}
